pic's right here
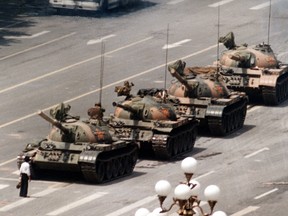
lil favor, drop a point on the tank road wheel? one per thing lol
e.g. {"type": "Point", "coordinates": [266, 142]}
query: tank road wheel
{"type": "Point", "coordinates": [124, 3]}
{"type": "Point", "coordinates": [121, 166]}
{"type": "Point", "coordinates": [100, 171]}
{"type": "Point", "coordinates": [103, 4]}
{"type": "Point", "coordinates": [116, 166]}
{"type": "Point", "coordinates": [109, 170]}
{"type": "Point", "coordinates": [192, 139]}
{"type": "Point", "coordinates": [128, 164]}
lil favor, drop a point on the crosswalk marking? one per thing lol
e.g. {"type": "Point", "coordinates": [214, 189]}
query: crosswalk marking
{"type": "Point", "coordinates": [23, 201]}
{"type": "Point", "coordinates": [77, 203]}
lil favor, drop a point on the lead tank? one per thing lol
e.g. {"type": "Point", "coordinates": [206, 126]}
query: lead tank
{"type": "Point", "coordinates": [254, 70]}
{"type": "Point", "coordinates": [87, 146]}
{"type": "Point", "coordinates": [154, 124]}
{"type": "Point", "coordinates": [201, 92]}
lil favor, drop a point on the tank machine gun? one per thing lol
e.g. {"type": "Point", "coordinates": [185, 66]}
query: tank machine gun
{"type": "Point", "coordinates": [254, 70]}
{"type": "Point", "coordinates": [81, 146]}
{"type": "Point", "coordinates": [153, 124]}
{"type": "Point", "coordinates": [201, 92]}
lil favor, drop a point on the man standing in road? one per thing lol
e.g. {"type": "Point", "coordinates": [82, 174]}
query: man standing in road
{"type": "Point", "coordinates": [25, 176]}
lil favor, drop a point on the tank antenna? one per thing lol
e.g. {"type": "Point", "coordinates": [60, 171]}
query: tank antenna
{"type": "Point", "coordinates": [101, 69]}
{"type": "Point", "coordinates": [165, 71]}
{"type": "Point", "coordinates": [218, 36]}
{"type": "Point", "coordinates": [269, 21]}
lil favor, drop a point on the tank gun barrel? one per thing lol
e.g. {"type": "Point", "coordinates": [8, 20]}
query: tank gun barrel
{"type": "Point", "coordinates": [54, 122]}
{"type": "Point", "coordinates": [125, 107]}
{"type": "Point", "coordinates": [175, 74]}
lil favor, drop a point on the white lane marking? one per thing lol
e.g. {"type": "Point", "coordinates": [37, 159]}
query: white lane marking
{"type": "Point", "coordinates": [27, 36]}
{"type": "Point", "coordinates": [77, 203]}
{"type": "Point", "coordinates": [217, 4]}
{"type": "Point", "coordinates": [40, 45]}
{"type": "Point", "coordinates": [6, 162]}
{"type": "Point", "coordinates": [257, 152]}
{"type": "Point", "coordinates": [133, 206]}
{"type": "Point", "coordinates": [109, 85]}
{"type": "Point", "coordinates": [265, 194]}
{"type": "Point", "coordinates": [175, 2]}
{"type": "Point", "coordinates": [13, 24]}
{"type": "Point", "coordinates": [2, 186]}
{"type": "Point", "coordinates": [23, 201]}
{"type": "Point", "coordinates": [73, 65]}
{"type": "Point", "coordinates": [260, 6]}
{"type": "Point", "coordinates": [90, 42]}
{"type": "Point", "coordinates": [246, 211]}
{"type": "Point", "coordinates": [204, 175]}
{"type": "Point", "coordinates": [177, 44]}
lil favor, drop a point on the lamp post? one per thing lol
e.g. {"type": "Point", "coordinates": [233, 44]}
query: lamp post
{"type": "Point", "coordinates": [185, 195]}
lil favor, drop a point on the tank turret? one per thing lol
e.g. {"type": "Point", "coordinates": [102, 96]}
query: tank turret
{"type": "Point", "coordinates": [154, 125]}
{"type": "Point", "coordinates": [200, 91]}
{"type": "Point", "coordinates": [81, 145]}
{"type": "Point", "coordinates": [145, 109]}
{"type": "Point", "coordinates": [196, 84]}
{"type": "Point", "coordinates": [254, 70]}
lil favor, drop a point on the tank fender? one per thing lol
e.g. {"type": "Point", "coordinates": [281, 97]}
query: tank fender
{"type": "Point", "coordinates": [215, 111]}
{"type": "Point", "coordinates": [88, 156]}
{"type": "Point", "coordinates": [268, 81]}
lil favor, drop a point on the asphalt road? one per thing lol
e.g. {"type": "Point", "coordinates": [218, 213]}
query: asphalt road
{"type": "Point", "coordinates": [46, 59]}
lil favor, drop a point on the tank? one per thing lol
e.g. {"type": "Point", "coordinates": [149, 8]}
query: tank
{"type": "Point", "coordinates": [254, 70]}
{"type": "Point", "coordinates": [154, 125]}
{"type": "Point", "coordinates": [87, 146]}
{"type": "Point", "coordinates": [200, 91]}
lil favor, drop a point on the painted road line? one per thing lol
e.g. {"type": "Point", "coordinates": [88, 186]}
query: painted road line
{"type": "Point", "coordinates": [27, 36]}
{"type": "Point", "coordinates": [23, 201]}
{"type": "Point", "coordinates": [90, 42]}
{"type": "Point", "coordinates": [77, 203]}
{"type": "Point", "coordinates": [265, 194]}
{"type": "Point", "coordinates": [257, 152]}
{"type": "Point", "coordinates": [246, 211]}
{"type": "Point", "coordinates": [175, 2]}
{"type": "Point", "coordinates": [217, 4]}
{"type": "Point", "coordinates": [6, 162]}
{"type": "Point", "coordinates": [35, 47]}
{"type": "Point", "coordinates": [73, 65]}
{"type": "Point", "coordinates": [260, 6]}
{"type": "Point", "coordinates": [177, 44]}
{"type": "Point", "coordinates": [135, 205]}
{"type": "Point", "coordinates": [10, 25]}
{"type": "Point", "coordinates": [2, 186]}
{"type": "Point", "coordinates": [204, 175]}
{"type": "Point", "coordinates": [107, 86]}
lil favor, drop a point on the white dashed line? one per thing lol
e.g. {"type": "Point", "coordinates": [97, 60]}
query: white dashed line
{"type": "Point", "coordinates": [265, 194]}
{"type": "Point", "coordinates": [257, 152]}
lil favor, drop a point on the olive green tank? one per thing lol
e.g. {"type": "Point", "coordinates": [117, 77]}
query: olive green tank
{"type": "Point", "coordinates": [254, 70]}
{"type": "Point", "coordinates": [199, 91]}
{"type": "Point", "coordinates": [87, 146]}
{"type": "Point", "coordinates": [154, 125]}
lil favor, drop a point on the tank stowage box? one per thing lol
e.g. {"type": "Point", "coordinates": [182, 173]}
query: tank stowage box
{"type": "Point", "coordinates": [84, 146]}
{"type": "Point", "coordinates": [254, 70]}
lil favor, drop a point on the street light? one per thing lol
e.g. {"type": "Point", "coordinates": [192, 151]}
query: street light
{"type": "Point", "coordinates": [185, 195]}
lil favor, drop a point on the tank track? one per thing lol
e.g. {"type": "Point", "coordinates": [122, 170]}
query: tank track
{"type": "Point", "coordinates": [111, 165]}
{"type": "Point", "coordinates": [180, 141]}
{"type": "Point", "coordinates": [274, 96]}
{"type": "Point", "coordinates": [232, 119]}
